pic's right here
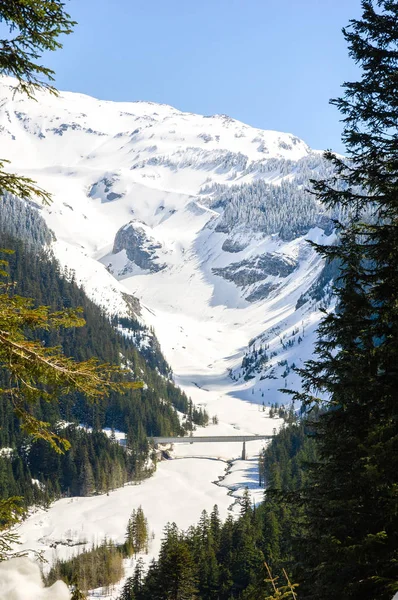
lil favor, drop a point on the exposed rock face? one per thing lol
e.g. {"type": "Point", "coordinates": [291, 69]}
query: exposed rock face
{"type": "Point", "coordinates": [233, 246]}
{"type": "Point", "coordinates": [113, 196]}
{"type": "Point", "coordinates": [262, 292]}
{"type": "Point", "coordinates": [140, 249]}
{"type": "Point", "coordinates": [321, 289]}
{"type": "Point", "coordinates": [102, 189]}
{"type": "Point", "coordinates": [256, 269]}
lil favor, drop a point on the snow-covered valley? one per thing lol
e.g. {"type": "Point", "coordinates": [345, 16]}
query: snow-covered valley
{"type": "Point", "coordinates": [205, 221]}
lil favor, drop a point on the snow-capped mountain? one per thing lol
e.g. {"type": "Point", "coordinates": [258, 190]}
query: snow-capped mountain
{"type": "Point", "coordinates": [204, 219]}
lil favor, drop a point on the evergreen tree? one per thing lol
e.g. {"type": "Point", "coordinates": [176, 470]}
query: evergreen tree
{"type": "Point", "coordinates": [87, 483]}
{"type": "Point", "coordinates": [33, 27]}
{"type": "Point", "coordinates": [137, 534]}
{"type": "Point", "coordinates": [33, 371]}
{"type": "Point", "coordinates": [153, 588]}
{"type": "Point", "coordinates": [246, 507]}
{"type": "Point", "coordinates": [215, 525]}
{"type": "Point", "coordinates": [127, 592]}
{"type": "Point", "coordinates": [78, 594]}
{"type": "Point", "coordinates": [100, 566]}
{"type": "Point", "coordinates": [138, 579]}
{"type": "Point", "coordinates": [177, 574]}
{"type": "Point", "coordinates": [350, 547]}
{"type": "Point", "coordinates": [142, 534]}
{"type": "Point", "coordinates": [130, 534]}
{"type": "Point", "coordinates": [38, 275]}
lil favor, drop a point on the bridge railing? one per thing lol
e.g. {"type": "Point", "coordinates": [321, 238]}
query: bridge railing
{"type": "Point", "coordinates": [210, 439]}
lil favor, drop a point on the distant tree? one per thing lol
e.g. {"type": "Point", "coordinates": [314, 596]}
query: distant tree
{"type": "Point", "coordinates": [87, 482]}
{"type": "Point", "coordinates": [246, 506]}
{"type": "Point", "coordinates": [177, 573]}
{"type": "Point", "coordinates": [137, 533]}
{"type": "Point", "coordinates": [77, 594]}
{"type": "Point", "coordinates": [100, 566]}
{"type": "Point", "coordinates": [130, 534]}
{"type": "Point", "coordinates": [138, 579]}
{"type": "Point", "coordinates": [215, 524]}
{"type": "Point", "coordinates": [141, 531]}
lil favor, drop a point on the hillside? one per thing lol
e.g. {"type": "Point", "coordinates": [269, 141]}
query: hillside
{"type": "Point", "coordinates": [36, 471]}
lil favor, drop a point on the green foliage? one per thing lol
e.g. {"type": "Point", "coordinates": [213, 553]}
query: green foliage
{"type": "Point", "coordinates": [34, 27]}
{"type": "Point", "coordinates": [210, 561]}
{"type": "Point", "coordinates": [20, 186]}
{"type": "Point", "coordinates": [137, 534]}
{"type": "Point", "coordinates": [349, 542]}
{"type": "Point", "coordinates": [176, 569]}
{"type": "Point", "coordinates": [100, 566]}
{"type": "Point", "coordinates": [94, 464]}
{"type": "Point", "coordinates": [37, 372]}
{"type": "Point", "coordinates": [31, 371]}
{"type": "Point", "coordinates": [34, 371]}
{"type": "Point", "coordinates": [280, 592]}
{"type": "Point", "coordinates": [225, 561]}
{"type": "Point", "coordinates": [200, 416]}
{"type": "Point", "coordinates": [10, 514]}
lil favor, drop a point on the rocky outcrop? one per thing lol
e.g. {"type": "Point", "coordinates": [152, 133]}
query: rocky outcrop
{"type": "Point", "coordinates": [262, 292]}
{"type": "Point", "coordinates": [233, 246]}
{"type": "Point", "coordinates": [102, 189]}
{"type": "Point", "coordinates": [140, 249]}
{"type": "Point", "coordinates": [256, 269]}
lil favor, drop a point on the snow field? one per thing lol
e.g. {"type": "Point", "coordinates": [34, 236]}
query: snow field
{"type": "Point", "coordinates": [20, 579]}
{"type": "Point", "coordinates": [179, 491]}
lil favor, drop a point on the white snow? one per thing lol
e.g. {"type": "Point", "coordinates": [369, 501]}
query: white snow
{"type": "Point", "coordinates": [20, 579]}
{"type": "Point", "coordinates": [178, 492]}
{"type": "Point", "coordinates": [38, 484]}
{"type": "Point", "coordinates": [6, 452]}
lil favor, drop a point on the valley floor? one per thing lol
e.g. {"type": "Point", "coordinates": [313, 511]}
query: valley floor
{"type": "Point", "coordinates": [200, 476]}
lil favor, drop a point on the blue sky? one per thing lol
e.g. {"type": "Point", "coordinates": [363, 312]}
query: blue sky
{"type": "Point", "coordinates": [272, 64]}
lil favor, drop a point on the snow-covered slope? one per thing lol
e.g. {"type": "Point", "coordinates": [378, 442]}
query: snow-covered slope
{"type": "Point", "coordinates": [204, 219]}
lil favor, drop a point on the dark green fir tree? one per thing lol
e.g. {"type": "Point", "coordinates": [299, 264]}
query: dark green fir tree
{"type": "Point", "coordinates": [350, 544]}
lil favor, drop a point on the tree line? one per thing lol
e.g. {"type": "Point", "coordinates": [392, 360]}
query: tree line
{"type": "Point", "coordinates": [215, 560]}
{"type": "Point", "coordinates": [101, 565]}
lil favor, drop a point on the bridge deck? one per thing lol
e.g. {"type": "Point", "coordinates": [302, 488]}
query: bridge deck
{"type": "Point", "coordinates": [210, 439]}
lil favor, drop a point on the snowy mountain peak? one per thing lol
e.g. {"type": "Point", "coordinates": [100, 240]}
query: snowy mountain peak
{"type": "Point", "coordinates": [204, 218]}
{"type": "Point", "coordinates": [146, 129]}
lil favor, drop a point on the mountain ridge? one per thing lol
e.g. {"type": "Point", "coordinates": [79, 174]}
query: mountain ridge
{"type": "Point", "coordinates": [191, 214]}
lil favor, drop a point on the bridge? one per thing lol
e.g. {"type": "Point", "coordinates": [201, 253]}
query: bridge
{"type": "Point", "coordinates": [212, 439]}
